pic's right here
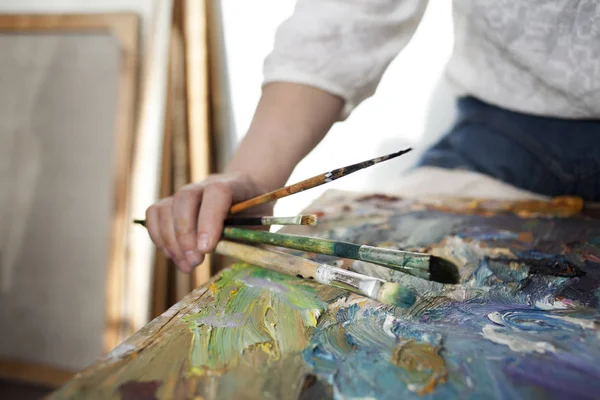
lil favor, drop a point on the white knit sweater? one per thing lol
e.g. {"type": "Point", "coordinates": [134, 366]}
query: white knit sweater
{"type": "Point", "coordinates": [535, 56]}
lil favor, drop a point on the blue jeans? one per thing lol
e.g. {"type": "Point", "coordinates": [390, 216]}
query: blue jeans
{"type": "Point", "coordinates": [544, 155]}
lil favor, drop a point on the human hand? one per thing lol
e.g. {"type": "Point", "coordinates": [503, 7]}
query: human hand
{"type": "Point", "coordinates": [188, 225]}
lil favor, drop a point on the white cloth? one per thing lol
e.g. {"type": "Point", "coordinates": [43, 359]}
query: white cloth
{"type": "Point", "coordinates": [537, 56]}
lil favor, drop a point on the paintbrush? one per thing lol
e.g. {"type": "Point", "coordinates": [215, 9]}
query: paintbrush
{"type": "Point", "coordinates": [421, 265]}
{"type": "Point", "coordinates": [251, 221]}
{"type": "Point", "coordinates": [312, 182]}
{"type": "Point", "coordinates": [374, 288]}
{"type": "Point", "coordinates": [263, 221]}
{"type": "Point", "coordinates": [305, 184]}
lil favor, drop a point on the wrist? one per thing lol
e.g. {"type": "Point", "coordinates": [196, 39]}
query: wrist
{"type": "Point", "coordinates": [263, 167]}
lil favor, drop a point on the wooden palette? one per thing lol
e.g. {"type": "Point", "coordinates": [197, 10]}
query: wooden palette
{"type": "Point", "coordinates": [524, 322]}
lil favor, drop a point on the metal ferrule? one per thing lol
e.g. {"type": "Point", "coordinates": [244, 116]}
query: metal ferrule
{"type": "Point", "coordinates": [348, 280]}
{"type": "Point", "coordinates": [295, 220]}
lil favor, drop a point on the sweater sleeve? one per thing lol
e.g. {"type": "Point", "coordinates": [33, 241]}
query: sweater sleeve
{"type": "Point", "coordinates": [342, 46]}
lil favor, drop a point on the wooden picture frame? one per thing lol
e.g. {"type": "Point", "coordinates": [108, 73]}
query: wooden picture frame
{"type": "Point", "coordinates": [198, 100]}
{"type": "Point", "coordinates": [187, 152]}
{"type": "Point", "coordinates": [123, 28]}
{"type": "Point", "coordinates": [146, 171]}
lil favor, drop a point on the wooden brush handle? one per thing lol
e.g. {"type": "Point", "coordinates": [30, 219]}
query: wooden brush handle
{"type": "Point", "coordinates": [312, 182]}
{"type": "Point", "coordinates": [368, 286]}
{"type": "Point", "coordinates": [270, 259]}
{"type": "Point", "coordinates": [277, 194]}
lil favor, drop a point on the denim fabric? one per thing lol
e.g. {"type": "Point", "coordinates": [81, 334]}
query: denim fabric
{"type": "Point", "coordinates": [544, 155]}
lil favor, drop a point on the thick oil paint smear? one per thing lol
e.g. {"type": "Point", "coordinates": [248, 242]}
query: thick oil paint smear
{"type": "Point", "coordinates": [505, 331]}
{"type": "Point", "coordinates": [256, 316]}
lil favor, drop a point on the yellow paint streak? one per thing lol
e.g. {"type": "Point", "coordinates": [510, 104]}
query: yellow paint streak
{"type": "Point", "coordinates": [312, 319]}
{"type": "Point", "coordinates": [424, 366]}
{"type": "Point", "coordinates": [561, 206]}
{"type": "Point", "coordinates": [252, 326]}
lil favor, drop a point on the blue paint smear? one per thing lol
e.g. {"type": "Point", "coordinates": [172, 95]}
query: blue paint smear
{"type": "Point", "coordinates": [353, 346]}
{"type": "Point", "coordinates": [477, 367]}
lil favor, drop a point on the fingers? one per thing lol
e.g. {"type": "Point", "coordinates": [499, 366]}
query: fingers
{"type": "Point", "coordinates": [171, 224]}
{"type": "Point", "coordinates": [153, 226]}
{"type": "Point", "coordinates": [189, 224]}
{"type": "Point", "coordinates": [216, 201]}
{"type": "Point", "coordinates": [170, 239]}
{"type": "Point", "coordinates": [185, 208]}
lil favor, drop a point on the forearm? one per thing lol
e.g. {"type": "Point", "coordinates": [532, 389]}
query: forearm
{"type": "Point", "coordinates": [290, 120]}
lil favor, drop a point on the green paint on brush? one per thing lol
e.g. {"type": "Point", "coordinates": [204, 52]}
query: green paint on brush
{"type": "Point", "coordinates": [374, 288]}
{"type": "Point", "coordinates": [297, 242]}
{"type": "Point", "coordinates": [416, 264]}
{"type": "Point", "coordinates": [397, 295]}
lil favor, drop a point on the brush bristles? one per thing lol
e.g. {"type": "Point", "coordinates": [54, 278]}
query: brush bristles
{"type": "Point", "coordinates": [443, 271]}
{"type": "Point", "coordinates": [396, 295]}
{"type": "Point", "coordinates": [309, 220]}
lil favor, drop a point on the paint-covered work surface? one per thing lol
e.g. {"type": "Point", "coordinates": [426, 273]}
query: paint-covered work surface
{"type": "Point", "coordinates": [523, 323]}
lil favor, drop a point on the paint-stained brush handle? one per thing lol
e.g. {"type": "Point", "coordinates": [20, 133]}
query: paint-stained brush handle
{"type": "Point", "coordinates": [377, 289]}
{"type": "Point", "coordinates": [416, 264]}
{"type": "Point", "coordinates": [374, 288]}
{"type": "Point", "coordinates": [312, 182]}
{"type": "Point", "coordinates": [266, 221]}
{"type": "Point", "coordinates": [261, 221]}
{"type": "Point", "coordinates": [420, 265]}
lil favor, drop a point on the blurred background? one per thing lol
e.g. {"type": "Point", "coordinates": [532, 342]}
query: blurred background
{"type": "Point", "coordinates": [108, 105]}
{"type": "Point", "coordinates": [398, 115]}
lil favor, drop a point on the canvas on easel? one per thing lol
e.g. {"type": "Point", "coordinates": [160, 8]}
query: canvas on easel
{"type": "Point", "coordinates": [67, 112]}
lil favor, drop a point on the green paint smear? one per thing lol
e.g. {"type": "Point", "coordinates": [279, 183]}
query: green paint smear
{"type": "Point", "coordinates": [257, 317]}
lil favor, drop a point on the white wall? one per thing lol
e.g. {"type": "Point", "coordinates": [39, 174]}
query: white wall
{"type": "Point", "coordinates": [397, 116]}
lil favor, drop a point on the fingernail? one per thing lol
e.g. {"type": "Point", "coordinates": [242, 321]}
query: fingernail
{"type": "Point", "coordinates": [203, 242]}
{"type": "Point", "coordinates": [192, 258]}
